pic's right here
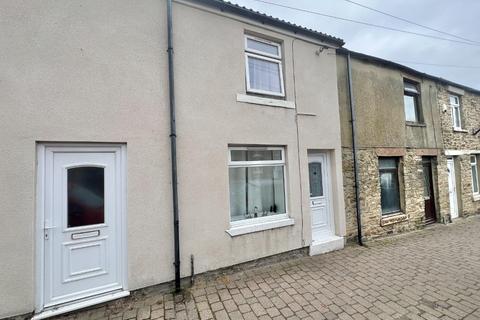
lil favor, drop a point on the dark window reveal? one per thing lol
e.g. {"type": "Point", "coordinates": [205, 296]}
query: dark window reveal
{"type": "Point", "coordinates": [390, 194]}
{"type": "Point", "coordinates": [411, 102]}
{"type": "Point", "coordinates": [316, 183]}
{"type": "Point", "coordinates": [86, 196]}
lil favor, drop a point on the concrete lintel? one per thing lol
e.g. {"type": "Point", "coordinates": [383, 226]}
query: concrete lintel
{"type": "Point", "coordinates": [390, 152]}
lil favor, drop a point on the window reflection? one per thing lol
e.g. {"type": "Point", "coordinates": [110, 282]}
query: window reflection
{"type": "Point", "coordinates": [86, 196]}
{"type": "Point", "coordinates": [389, 186]}
{"type": "Point", "coordinates": [316, 183]}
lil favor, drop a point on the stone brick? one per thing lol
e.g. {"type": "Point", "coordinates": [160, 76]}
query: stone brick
{"type": "Point", "coordinates": [374, 224]}
{"type": "Point", "coordinates": [431, 274]}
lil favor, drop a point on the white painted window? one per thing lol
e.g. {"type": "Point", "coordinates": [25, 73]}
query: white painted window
{"type": "Point", "coordinates": [257, 184]}
{"type": "Point", "coordinates": [475, 180]}
{"type": "Point", "coordinates": [263, 67]}
{"type": "Point", "coordinates": [456, 112]}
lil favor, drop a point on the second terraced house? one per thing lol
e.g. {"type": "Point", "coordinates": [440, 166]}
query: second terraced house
{"type": "Point", "coordinates": [415, 146]}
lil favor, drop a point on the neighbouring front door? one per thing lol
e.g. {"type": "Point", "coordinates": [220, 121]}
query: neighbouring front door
{"type": "Point", "coordinates": [83, 244]}
{"type": "Point", "coordinates": [452, 188]}
{"type": "Point", "coordinates": [322, 228]}
{"type": "Point", "coordinates": [428, 193]}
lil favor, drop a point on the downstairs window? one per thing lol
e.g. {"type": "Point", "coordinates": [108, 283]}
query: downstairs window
{"type": "Point", "coordinates": [257, 182]}
{"type": "Point", "coordinates": [389, 185]}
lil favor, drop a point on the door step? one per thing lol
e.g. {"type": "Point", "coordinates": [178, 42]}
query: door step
{"type": "Point", "coordinates": [329, 244]}
{"type": "Point", "coordinates": [83, 303]}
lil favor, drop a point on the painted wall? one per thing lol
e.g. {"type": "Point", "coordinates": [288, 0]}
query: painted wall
{"type": "Point", "coordinates": [83, 72]}
{"type": "Point", "coordinates": [210, 119]}
{"type": "Point", "coordinates": [97, 72]}
{"type": "Point", "coordinates": [378, 92]}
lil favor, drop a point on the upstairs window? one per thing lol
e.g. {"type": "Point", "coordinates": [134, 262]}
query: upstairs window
{"type": "Point", "coordinates": [456, 112]}
{"type": "Point", "coordinates": [411, 101]}
{"type": "Point", "coordinates": [389, 185]}
{"type": "Point", "coordinates": [263, 64]}
{"type": "Point", "coordinates": [475, 181]}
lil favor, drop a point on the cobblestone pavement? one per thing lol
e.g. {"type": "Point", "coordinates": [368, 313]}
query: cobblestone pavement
{"type": "Point", "coordinates": [430, 274]}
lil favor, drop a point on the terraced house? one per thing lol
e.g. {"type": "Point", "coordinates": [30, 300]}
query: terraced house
{"type": "Point", "coordinates": [460, 122]}
{"type": "Point", "coordinates": [413, 140]}
{"type": "Point", "coordinates": [112, 109]}
{"type": "Point", "coordinates": [146, 141]}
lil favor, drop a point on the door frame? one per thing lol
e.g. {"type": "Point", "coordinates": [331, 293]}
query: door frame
{"type": "Point", "coordinates": [457, 213]}
{"type": "Point", "coordinates": [430, 161]}
{"type": "Point", "coordinates": [41, 149]}
{"type": "Point", "coordinates": [328, 190]}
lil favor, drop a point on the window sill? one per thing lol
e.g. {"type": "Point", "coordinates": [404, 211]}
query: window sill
{"type": "Point", "coordinates": [476, 197]}
{"type": "Point", "coordinates": [415, 124]}
{"type": "Point", "coordinates": [265, 101]}
{"type": "Point", "coordinates": [393, 218]}
{"type": "Point", "coordinates": [460, 130]}
{"type": "Point", "coordinates": [256, 226]}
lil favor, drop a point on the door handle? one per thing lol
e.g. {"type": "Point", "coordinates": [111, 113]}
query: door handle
{"type": "Point", "coordinates": [45, 228]}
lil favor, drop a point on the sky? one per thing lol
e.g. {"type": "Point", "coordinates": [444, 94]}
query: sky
{"type": "Point", "coordinates": [457, 17]}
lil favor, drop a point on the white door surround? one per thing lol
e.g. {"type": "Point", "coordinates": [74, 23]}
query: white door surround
{"type": "Point", "coordinates": [452, 188]}
{"type": "Point", "coordinates": [321, 208]}
{"type": "Point", "coordinates": [80, 226]}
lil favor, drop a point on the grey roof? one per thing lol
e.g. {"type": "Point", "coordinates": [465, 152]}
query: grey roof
{"type": "Point", "coordinates": [391, 64]}
{"type": "Point", "coordinates": [263, 18]}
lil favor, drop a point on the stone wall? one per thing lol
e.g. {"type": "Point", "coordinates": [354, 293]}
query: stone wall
{"type": "Point", "coordinates": [462, 142]}
{"type": "Point", "coordinates": [411, 189]}
{"type": "Point", "coordinates": [442, 185]}
{"type": "Point", "coordinates": [470, 106]}
{"type": "Point", "coordinates": [349, 192]}
{"type": "Point", "coordinates": [411, 174]}
{"type": "Point", "coordinates": [469, 205]}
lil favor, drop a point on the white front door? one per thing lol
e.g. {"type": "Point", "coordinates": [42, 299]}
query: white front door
{"type": "Point", "coordinates": [452, 189]}
{"type": "Point", "coordinates": [83, 227]}
{"type": "Point", "coordinates": [321, 215]}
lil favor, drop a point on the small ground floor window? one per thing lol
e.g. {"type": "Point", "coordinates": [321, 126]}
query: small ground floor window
{"type": "Point", "coordinates": [474, 164]}
{"type": "Point", "coordinates": [257, 182]}
{"type": "Point", "coordinates": [389, 185]}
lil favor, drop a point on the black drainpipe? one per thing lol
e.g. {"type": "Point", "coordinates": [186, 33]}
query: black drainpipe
{"type": "Point", "coordinates": [173, 145]}
{"type": "Point", "coordinates": [354, 147]}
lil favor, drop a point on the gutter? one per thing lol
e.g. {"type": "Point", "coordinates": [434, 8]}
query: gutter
{"type": "Point", "coordinates": [173, 145]}
{"type": "Point", "coordinates": [354, 147]}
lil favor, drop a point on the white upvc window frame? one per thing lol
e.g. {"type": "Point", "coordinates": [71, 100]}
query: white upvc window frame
{"type": "Point", "coordinates": [263, 53]}
{"type": "Point", "coordinates": [268, 221]}
{"type": "Point", "coordinates": [267, 57]}
{"type": "Point", "coordinates": [472, 164]}
{"type": "Point", "coordinates": [456, 106]}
